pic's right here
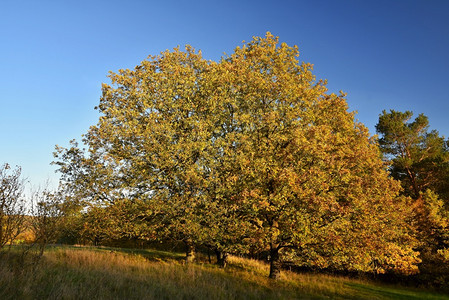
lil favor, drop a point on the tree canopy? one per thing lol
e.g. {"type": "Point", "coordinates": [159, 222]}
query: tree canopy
{"type": "Point", "coordinates": [250, 152]}
{"type": "Point", "coordinates": [420, 158]}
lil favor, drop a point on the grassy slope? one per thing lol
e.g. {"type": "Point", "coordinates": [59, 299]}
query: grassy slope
{"type": "Point", "coordinates": [99, 273]}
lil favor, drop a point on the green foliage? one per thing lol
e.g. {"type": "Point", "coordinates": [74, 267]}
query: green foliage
{"type": "Point", "coordinates": [419, 158]}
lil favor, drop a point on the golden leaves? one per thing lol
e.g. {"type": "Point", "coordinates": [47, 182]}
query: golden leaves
{"type": "Point", "coordinates": [252, 139]}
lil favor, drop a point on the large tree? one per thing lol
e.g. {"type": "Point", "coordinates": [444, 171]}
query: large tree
{"type": "Point", "coordinates": [249, 151]}
{"type": "Point", "coordinates": [158, 143]}
{"type": "Point", "coordinates": [311, 174]}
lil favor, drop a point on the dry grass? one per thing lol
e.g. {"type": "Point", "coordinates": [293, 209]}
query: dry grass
{"type": "Point", "coordinates": [79, 273]}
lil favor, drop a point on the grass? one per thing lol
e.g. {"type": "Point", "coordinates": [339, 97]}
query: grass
{"type": "Point", "coordinates": [109, 273]}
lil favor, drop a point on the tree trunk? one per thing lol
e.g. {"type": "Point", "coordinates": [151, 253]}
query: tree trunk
{"type": "Point", "coordinates": [222, 258]}
{"type": "Point", "coordinates": [190, 251]}
{"type": "Point", "coordinates": [208, 256]}
{"type": "Point", "coordinates": [275, 264]}
{"type": "Point", "coordinates": [412, 177]}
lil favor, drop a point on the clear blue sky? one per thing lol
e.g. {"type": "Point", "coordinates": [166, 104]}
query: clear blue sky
{"type": "Point", "coordinates": [54, 55]}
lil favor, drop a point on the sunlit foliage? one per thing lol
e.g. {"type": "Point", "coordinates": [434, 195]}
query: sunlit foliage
{"type": "Point", "coordinates": [248, 153]}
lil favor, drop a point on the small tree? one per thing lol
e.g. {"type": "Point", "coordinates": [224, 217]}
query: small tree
{"type": "Point", "coordinates": [46, 217]}
{"type": "Point", "coordinates": [12, 204]}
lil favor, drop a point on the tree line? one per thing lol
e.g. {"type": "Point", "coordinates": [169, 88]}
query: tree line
{"type": "Point", "coordinates": [250, 155]}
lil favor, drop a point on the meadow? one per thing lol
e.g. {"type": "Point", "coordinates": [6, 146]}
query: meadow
{"type": "Point", "coordinates": [114, 273]}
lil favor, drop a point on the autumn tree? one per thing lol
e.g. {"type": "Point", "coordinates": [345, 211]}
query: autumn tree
{"type": "Point", "coordinates": [310, 174]}
{"type": "Point", "coordinates": [149, 145]}
{"type": "Point", "coordinates": [247, 151]}
{"type": "Point", "coordinates": [419, 159]}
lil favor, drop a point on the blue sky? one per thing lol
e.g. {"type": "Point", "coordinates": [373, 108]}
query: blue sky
{"type": "Point", "coordinates": [54, 55]}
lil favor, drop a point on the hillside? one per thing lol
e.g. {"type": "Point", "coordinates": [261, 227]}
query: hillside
{"type": "Point", "coordinates": [109, 273]}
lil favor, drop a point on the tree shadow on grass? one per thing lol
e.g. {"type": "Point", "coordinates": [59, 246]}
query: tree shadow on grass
{"type": "Point", "coordinates": [391, 293]}
{"type": "Point", "coordinates": [149, 254]}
